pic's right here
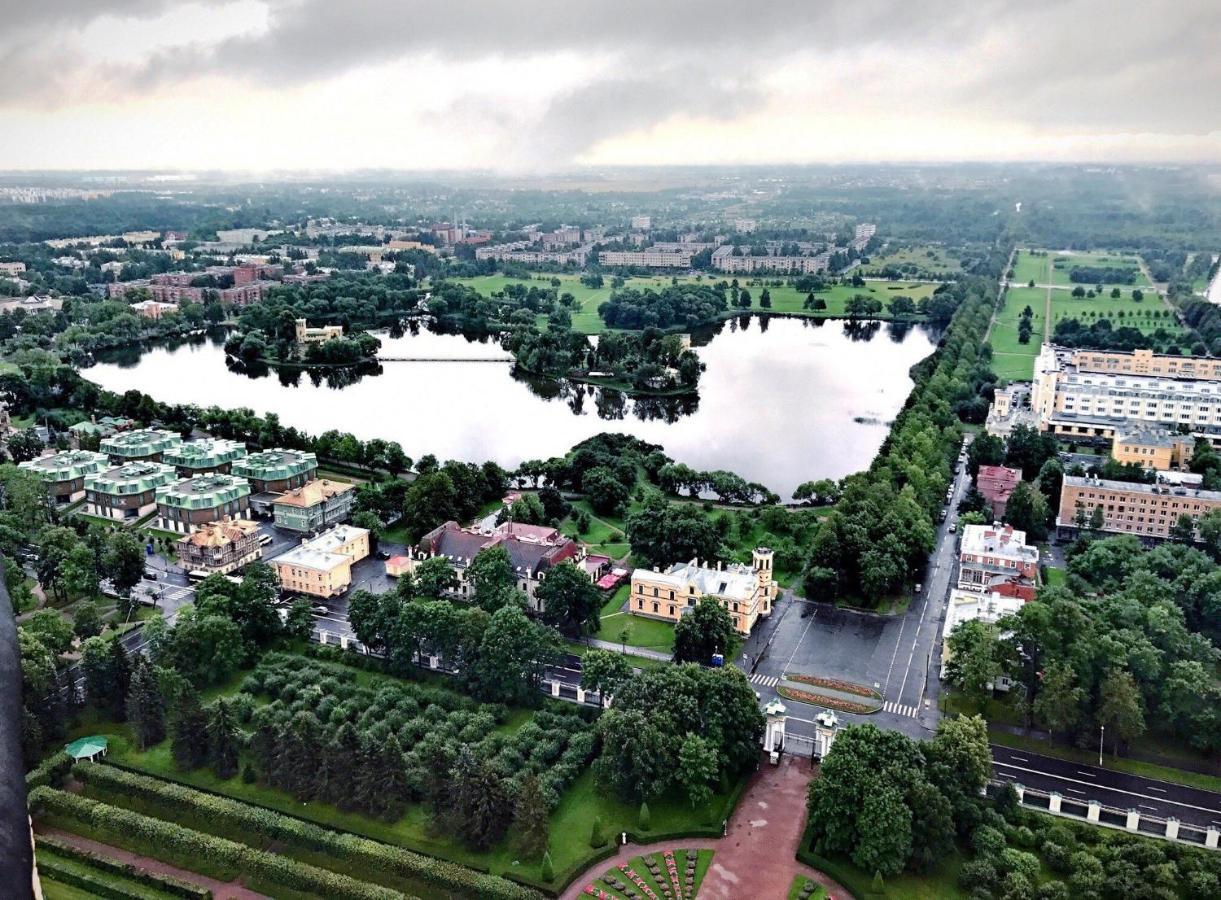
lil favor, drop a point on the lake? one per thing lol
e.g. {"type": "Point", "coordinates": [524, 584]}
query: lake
{"type": "Point", "coordinates": [783, 400]}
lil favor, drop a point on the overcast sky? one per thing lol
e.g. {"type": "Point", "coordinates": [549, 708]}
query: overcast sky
{"type": "Point", "coordinates": [541, 84]}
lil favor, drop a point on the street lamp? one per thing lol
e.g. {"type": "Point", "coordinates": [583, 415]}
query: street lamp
{"type": "Point", "coordinates": [1102, 730]}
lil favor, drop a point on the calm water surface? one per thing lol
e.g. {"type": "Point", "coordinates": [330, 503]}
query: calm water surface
{"type": "Point", "coordinates": [782, 400]}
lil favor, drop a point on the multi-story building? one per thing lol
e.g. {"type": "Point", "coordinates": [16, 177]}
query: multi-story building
{"type": "Point", "coordinates": [153, 309]}
{"type": "Point", "coordinates": [220, 547]}
{"type": "Point", "coordinates": [997, 559]}
{"type": "Point", "coordinates": [642, 223]}
{"type": "Point", "coordinates": [276, 471]}
{"type": "Point", "coordinates": [39, 304]}
{"type": "Point", "coordinates": [724, 260]}
{"type": "Point", "coordinates": [314, 505]}
{"type": "Point", "coordinates": [533, 550]}
{"type": "Point", "coordinates": [243, 294]}
{"type": "Point", "coordinates": [1152, 447]}
{"type": "Point", "coordinates": [122, 288]}
{"type": "Point", "coordinates": [997, 483]}
{"type": "Point", "coordinates": [1148, 511]}
{"type": "Point", "coordinates": [193, 502]}
{"type": "Point", "coordinates": [127, 492]}
{"type": "Point", "coordinates": [322, 567]}
{"type": "Point", "coordinates": [746, 592]}
{"type": "Point", "coordinates": [142, 443]}
{"type": "Point", "coordinates": [204, 456]}
{"type": "Point", "coordinates": [318, 334]}
{"type": "Point", "coordinates": [745, 226]}
{"type": "Point", "coordinates": [11, 268]}
{"type": "Point", "coordinates": [966, 606]}
{"type": "Point", "coordinates": [526, 253]}
{"type": "Point", "coordinates": [1146, 362]}
{"type": "Point", "coordinates": [651, 258]}
{"type": "Point", "coordinates": [1082, 403]}
{"type": "Point", "coordinates": [64, 473]}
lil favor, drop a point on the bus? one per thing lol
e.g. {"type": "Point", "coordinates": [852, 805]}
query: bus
{"type": "Point", "coordinates": [197, 576]}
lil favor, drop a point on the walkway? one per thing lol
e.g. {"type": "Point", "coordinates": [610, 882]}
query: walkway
{"type": "Point", "coordinates": [221, 890]}
{"type": "Point", "coordinates": [757, 858]}
{"type": "Point", "coordinates": [629, 650]}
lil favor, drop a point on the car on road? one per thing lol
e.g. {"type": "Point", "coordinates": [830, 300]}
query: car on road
{"type": "Point", "coordinates": [942, 516]}
{"type": "Point", "coordinates": [919, 587]}
{"type": "Point", "coordinates": [265, 539]}
{"type": "Point", "coordinates": [382, 554]}
{"type": "Point", "coordinates": [953, 526]}
{"type": "Point", "coordinates": [321, 610]}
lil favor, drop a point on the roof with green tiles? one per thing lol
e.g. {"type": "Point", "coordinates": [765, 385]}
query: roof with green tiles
{"type": "Point", "coordinates": [140, 443]}
{"type": "Point", "coordinates": [207, 453]}
{"type": "Point", "coordinates": [132, 478]}
{"type": "Point", "coordinates": [203, 491]}
{"type": "Point", "coordinates": [275, 465]}
{"type": "Point", "coordinates": [67, 466]}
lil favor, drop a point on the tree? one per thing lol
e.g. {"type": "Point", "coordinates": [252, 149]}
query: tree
{"type": "Point", "coordinates": [124, 558]}
{"type": "Point", "coordinates": [479, 806]}
{"type": "Point", "coordinates": [189, 733]}
{"type": "Point", "coordinates": [87, 621]}
{"type": "Point", "coordinates": [986, 450]}
{"type": "Point", "coordinates": [51, 629]}
{"type": "Point", "coordinates": [1183, 531]}
{"type": "Point", "coordinates": [145, 705]}
{"type": "Point", "coordinates": [531, 819]}
{"type": "Point", "coordinates": [434, 577]}
{"type": "Point", "coordinates": [706, 630]}
{"type": "Point", "coordinates": [300, 620]}
{"type": "Point", "coordinates": [569, 600]}
{"type": "Point", "coordinates": [107, 675]}
{"type": "Point", "coordinates": [821, 492]}
{"type": "Point", "coordinates": [765, 299]}
{"type": "Point", "coordinates": [1026, 510]}
{"type": "Point", "coordinates": [1028, 449]}
{"type": "Point", "coordinates": [493, 584]}
{"type": "Point", "coordinates": [24, 445]}
{"type": "Point", "coordinates": [961, 750]}
{"type": "Point", "coordinates": [513, 654]}
{"type": "Point", "coordinates": [662, 533]}
{"type": "Point", "coordinates": [604, 671]}
{"type": "Point", "coordinates": [222, 740]}
{"type": "Point", "coordinates": [80, 574]}
{"type": "Point", "coordinates": [1058, 704]}
{"type": "Point", "coordinates": [605, 492]}
{"type": "Point", "coordinates": [697, 769]}
{"type": "Point", "coordinates": [974, 662]}
{"type": "Point", "coordinates": [206, 649]}
{"type": "Point", "coordinates": [1120, 708]}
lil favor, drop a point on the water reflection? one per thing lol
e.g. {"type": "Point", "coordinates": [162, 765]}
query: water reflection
{"type": "Point", "coordinates": [782, 400]}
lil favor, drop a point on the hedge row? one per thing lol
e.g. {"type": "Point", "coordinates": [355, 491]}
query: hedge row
{"type": "Point", "coordinates": [177, 799]}
{"type": "Point", "coordinates": [166, 883]}
{"type": "Point", "coordinates": [143, 834]}
{"type": "Point", "coordinates": [91, 883]}
{"type": "Point", "coordinates": [50, 772]}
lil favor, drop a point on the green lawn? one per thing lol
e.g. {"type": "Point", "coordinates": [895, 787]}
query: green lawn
{"type": "Point", "coordinates": [605, 535]}
{"type": "Point", "coordinates": [1063, 263]}
{"type": "Point", "coordinates": [639, 662]}
{"type": "Point", "coordinates": [927, 257]}
{"type": "Point", "coordinates": [54, 863]}
{"type": "Point", "coordinates": [800, 882]}
{"type": "Point", "coordinates": [1027, 268]}
{"type": "Point", "coordinates": [1056, 576]}
{"type": "Point", "coordinates": [1013, 360]}
{"type": "Point", "coordinates": [637, 631]}
{"type": "Point", "coordinates": [1147, 314]}
{"type": "Point", "coordinates": [940, 884]}
{"type": "Point", "coordinates": [639, 865]}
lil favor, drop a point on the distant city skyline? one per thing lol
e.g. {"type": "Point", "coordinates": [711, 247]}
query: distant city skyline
{"type": "Point", "coordinates": [266, 85]}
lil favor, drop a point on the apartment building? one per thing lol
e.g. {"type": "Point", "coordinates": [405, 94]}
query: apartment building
{"type": "Point", "coordinates": [8, 269]}
{"type": "Point", "coordinates": [314, 505]}
{"type": "Point", "coordinates": [204, 456]}
{"type": "Point", "coordinates": [153, 309]}
{"type": "Point", "coordinates": [64, 473]}
{"type": "Point", "coordinates": [650, 258]}
{"type": "Point", "coordinates": [276, 470]}
{"type": "Point", "coordinates": [219, 548]}
{"type": "Point", "coordinates": [189, 504]}
{"type": "Point", "coordinates": [127, 492]}
{"type": "Point", "coordinates": [527, 253]}
{"type": "Point", "coordinates": [1146, 362]}
{"type": "Point", "coordinates": [746, 592]}
{"type": "Point", "coordinates": [322, 567]}
{"type": "Point", "coordinates": [642, 223]}
{"type": "Point", "coordinates": [1152, 447]}
{"type": "Point", "coordinates": [1148, 511]}
{"type": "Point", "coordinates": [996, 559]}
{"type": "Point", "coordinates": [724, 260]}
{"type": "Point", "coordinates": [141, 443]}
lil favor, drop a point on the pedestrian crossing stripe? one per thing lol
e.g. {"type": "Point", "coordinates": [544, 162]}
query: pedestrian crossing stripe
{"type": "Point", "coordinates": [900, 709]}
{"type": "Point", "coordinates": [764, 680]}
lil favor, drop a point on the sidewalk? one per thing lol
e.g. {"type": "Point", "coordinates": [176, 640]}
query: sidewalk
{"type": "Point", "coordinates": [629, 650]}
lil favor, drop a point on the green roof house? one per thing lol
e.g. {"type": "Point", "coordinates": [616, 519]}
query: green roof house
{"type": "Point", "coordinates": [145, 443]}
{"type": "Point", "coordinates": [64, 473]}
{"type": "Point", "coordinates": [204, 456]}
{"type": "Point", "coordinates": [127, 492]}
{"type": "Point", "coordinates": [184, 506]}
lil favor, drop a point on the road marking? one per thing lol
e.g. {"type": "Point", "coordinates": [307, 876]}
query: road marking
{"type": "Point", "coordinates": [1159, 790]}
{"type": "Point", "coordinates": [1075, 791]}
{"type": "Point", "coordinates": [1144, 806]}
{"type": "Point", "coordinates": [800, 639]}
{"type": "Point", "coordinates": [1019, 759]}
{"type": "Point", "coordinates": [1112, 790]}
{"type": "Point", "coordinates": [1086, 774]}
{"type": "Point", "coordinates": [765, 680]}
{"type": "Point", "coordinates": [900, 709]}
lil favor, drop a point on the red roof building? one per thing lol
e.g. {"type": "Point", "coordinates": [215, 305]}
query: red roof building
{"type": "Point", "coordinates": [996, 483]}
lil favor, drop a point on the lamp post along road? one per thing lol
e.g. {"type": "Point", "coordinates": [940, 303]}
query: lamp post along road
{"type": "Point", "coordinates": [1102, 730]}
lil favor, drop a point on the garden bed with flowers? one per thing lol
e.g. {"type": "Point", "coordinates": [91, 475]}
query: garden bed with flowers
{"type": "Point", "coordinates": [665, 875]}
{"type": "Point", "coordinates": [835, 684]}
{"type": "Point", "coordinates": [838, 704]}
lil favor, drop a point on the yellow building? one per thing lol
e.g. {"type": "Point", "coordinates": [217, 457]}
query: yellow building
{"type": "Point", "coordinates": [319, 334]}
{"type": "Point", "coordinates": [322, 567]}
{"type": "Point", "coordinates": [746, 592]}
{"type": "Point", "coordinates": [1146, 362]}
{"type": "Point", "coordinates": [1153, 448]}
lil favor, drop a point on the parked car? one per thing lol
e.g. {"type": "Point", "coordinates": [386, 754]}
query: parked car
{"type": "Point", "coordinates": [382, 554]}
{"type": "Point", "coordinates": [953, 526]}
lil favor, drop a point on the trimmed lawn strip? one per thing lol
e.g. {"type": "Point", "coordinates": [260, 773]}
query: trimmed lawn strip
{"type": "Point", "coordinates": [640, 662]}
{"type": "Point", "coordinates": [638, 631]}
{"type": "Point", "coordinates": [940, 884]}
{"type": "Point", "coordinates": [799, 882]}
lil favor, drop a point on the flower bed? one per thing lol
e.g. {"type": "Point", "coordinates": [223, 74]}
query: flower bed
{"type": "Point", "coordinates": [835, 684]}
{"type": "Point", "coordinates": [670, 875]}
{"type": "Point", "coordinates": [822, 700]}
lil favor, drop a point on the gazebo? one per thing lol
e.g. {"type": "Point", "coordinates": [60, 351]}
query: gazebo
{"type": "Point", "coordinates": [89, 748]}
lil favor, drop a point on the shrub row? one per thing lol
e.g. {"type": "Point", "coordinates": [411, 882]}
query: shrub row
{"type": "Point", "coordinates": [143, 834]}
{"type": "Point", "coordinates": [165, 883]}
{"type": "Point", "coordinates": [50, 772]}
{"type": "Point", "coordinates": [91, 882]}
{"type": "Point", "coordinates": [293, 832]}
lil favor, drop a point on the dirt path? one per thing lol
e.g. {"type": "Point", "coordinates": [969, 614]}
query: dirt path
{"type": "Point", "coordinates": [221, 890]}
{"type": "Point", "coordinates": [757, 856]}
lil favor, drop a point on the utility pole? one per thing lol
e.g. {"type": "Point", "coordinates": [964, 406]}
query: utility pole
{"type": "Point", "coordinates": [1102, 730]}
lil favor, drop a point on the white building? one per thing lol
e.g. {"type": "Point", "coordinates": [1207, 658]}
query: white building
{"type": "Point", "coordinates": [642, 223]}
{"type": "Point", "coordinates": [967, 605]}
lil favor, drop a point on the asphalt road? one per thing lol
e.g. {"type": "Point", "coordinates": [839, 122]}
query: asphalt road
{"type": "Point", "coordinates": [1082, 783]}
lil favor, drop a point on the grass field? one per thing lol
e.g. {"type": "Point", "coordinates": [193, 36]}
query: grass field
{"type": "Point", "coordinates": [1064, 262]}
{"type": "Point", "coordinates": [785, 299]}
{"type": "Point", "coordinates": [929, 258]}
{"type": "Point", "coordinates": [1013, 360]}
{"type": "Point", "coordinates": [1028, 268]}
{"type": "Point", "coordinates": [1146, 315]}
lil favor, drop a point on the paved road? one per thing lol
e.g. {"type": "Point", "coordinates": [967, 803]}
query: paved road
{"type": "Point", "coordinates": [1082, 783]}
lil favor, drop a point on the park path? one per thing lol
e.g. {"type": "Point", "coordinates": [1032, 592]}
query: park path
{"type": "Point", "coordinates": [756, 859]}
{"type": "Point", "coordinates": [221, 890]}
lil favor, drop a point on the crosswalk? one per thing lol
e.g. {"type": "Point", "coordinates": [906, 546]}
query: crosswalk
{"type": "Point", "coordinates": [764, 680]}
{"type": "Point", "coordinates": [900, 709]}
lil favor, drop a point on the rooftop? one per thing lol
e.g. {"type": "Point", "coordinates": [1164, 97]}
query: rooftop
{"type": "Point", "coordinates": [131, 478]}
{"type": "Point", "coordinates": [269, 465]}
{"type": "Point", "coordinates": [219, 534]}
{"type": "Point", "coordinates": [203, 491]}
{"type": "Point", "coordinates": [141, 442]}
{"type": "Point", "coordinates": [997, 540]}
{"type": "Point", "coordinates": [68, 465]}
{"type": "Point", "coordinates": [321, 552]}
{"type": "Point", "coordinates": [205, 453]}
{"type": "Point", "coordinates": [735, 581]}
{"type": "Point", "coordinates": [313, 492]}
{"type": "Point", "coordinates": [1086, 482]}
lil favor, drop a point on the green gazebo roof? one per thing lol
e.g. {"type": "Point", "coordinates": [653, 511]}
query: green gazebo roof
{"type": "Point", "coordinates": [88, 747]}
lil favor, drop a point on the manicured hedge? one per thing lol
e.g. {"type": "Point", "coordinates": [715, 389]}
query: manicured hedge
{"type": "Point", "coordinates": [93, 883]}
{"type": "Point", "coordinates": [165, 883]}
{"type": "Point", "coordinates": [143, 834]}
{"type": "Point", "coordinates": [177, 799]}
{"type": "Point", "coordinates": [50, 772]}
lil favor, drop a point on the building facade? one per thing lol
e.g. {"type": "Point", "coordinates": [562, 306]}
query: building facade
{"type": "Point", "coordinates": [276, 470]}
{"type": "Point", "coordinates": [322, 567]}
{"type": "Point", "coordinates": [997, 483]}
{"type": "Point", "coordinates": [650, 258]}
{"type": "Point", "coordinates": [204, 456]}
{"type": "Point", "coordinates": [316, 504]}
{"type": "Point", "coordinates": [189, 504]}
{"type": "Point", "coordinates": [318, 334]}
{"type": "Point", "coordinates": [127, 492]}
{"type": "Point", "coordinates": [140, 444]}
{"type": "Point", "coordinates": [64, 473]}
{"type": "Point", "coordinates": [724, 260]}
{"type": "Point", "coordinates": [997, 559]}
{"type": "Point", "coordinates": [1148, 511]}
{"type": "Point", "coordinates": [746, 592]}
{"type": "Point", "coordinates": [1152, 448]}
{"type": "Point", "coordinates": [219, 548]}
